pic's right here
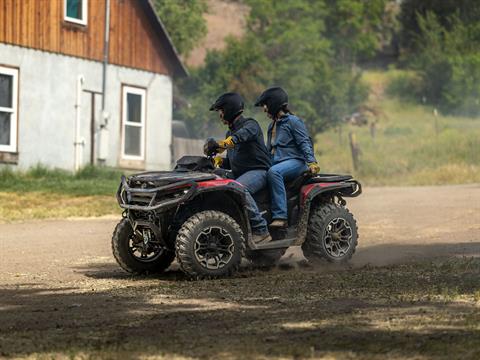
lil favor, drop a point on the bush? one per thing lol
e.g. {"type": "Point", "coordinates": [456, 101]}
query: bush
{"type": "Point", "coordinates": [448, 64]}
{"type": "Point", "coordinates": [405, 86]}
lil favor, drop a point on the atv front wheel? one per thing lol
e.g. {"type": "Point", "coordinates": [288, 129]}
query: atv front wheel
{"type": "Point", "coordinates": [210, 244]}
{"type": "Point", "coordinates": [136, 257]}
{"type": "Point", "coordinates": [331, 234]}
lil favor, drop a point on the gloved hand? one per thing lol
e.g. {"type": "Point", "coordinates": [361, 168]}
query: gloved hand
{"type": "Point", "coordinates": [313, 167]}
{"type": "Point", "coordinates": [217, 161]}
{"type": "Point", "coordinates": [210, 147]}
{"type": "Point", "coordinates": [227, 143]}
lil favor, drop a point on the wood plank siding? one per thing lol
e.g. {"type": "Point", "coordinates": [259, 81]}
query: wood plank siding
{"type": "Point", "coordinates": [134, 38]}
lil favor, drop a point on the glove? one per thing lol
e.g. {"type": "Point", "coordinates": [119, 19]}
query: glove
{"type": "Point", "coordinates": [313, 167]}
{"type": "Point", "coordinates": [217, 161]}
{"type": "Point", "coordinates": [227, 143]}
{"type": "Point", "coordinates": [210, 147]}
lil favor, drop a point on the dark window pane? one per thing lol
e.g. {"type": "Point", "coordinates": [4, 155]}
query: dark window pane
{"type": "Point", "coordinates": [134, 108]}
{"type": "Point", "coordinates": [133, 140]}
{"type": "Point", "coordinates": [5, 128]}
{"type": "Point", "coordinates": [74, 9]}
{"type": "Point", "coordinates": [6, 84]}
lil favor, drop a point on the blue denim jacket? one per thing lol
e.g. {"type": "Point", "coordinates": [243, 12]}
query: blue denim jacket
{"type": "Point", "coordinates": [291, 141]}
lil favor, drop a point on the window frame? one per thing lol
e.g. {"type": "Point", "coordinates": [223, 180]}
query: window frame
{"type": "Point", "coordinates": [128, 89]}
{"type": "Point", "coordinates": [83, 21]}
{"type": "Point", "coordinates": [12, 148]}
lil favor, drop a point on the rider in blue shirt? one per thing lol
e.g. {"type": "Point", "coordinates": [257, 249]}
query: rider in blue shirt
{"type": "Point", "coordinates": [290, 148]}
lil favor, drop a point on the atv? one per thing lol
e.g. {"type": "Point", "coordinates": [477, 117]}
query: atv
{"type": "Point", "coordinates": [196, 214]}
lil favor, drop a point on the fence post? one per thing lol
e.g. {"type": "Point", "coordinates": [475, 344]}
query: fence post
{"type": "Point", "coordinates": [354, 149]}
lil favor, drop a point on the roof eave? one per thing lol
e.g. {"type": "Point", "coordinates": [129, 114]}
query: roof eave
{"type": "Point", "coordinates": [179, 68]}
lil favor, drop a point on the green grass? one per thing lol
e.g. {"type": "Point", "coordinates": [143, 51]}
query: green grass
{"type": "Point", "coordinates": [412, 146]}
{"type": "Point", "coordinates": [88, 181]}
{"type": "Point", "coordinates": [42, 193]}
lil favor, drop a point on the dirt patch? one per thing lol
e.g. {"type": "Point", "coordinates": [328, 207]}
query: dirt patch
{"type": "Point", "coordinates": [62, 295]}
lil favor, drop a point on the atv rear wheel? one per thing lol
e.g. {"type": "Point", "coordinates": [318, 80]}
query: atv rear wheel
{"type": "Point", "coordinates": [331, 234]}
{"type": "Point", "coordinates": [265, 258]}
{"type": "Point", "coordinates": [210, 244]}
{"type": "Point", "coordinates": [136, 257]}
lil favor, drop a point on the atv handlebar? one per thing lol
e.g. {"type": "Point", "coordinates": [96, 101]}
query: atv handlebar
{"type": "Point", "coordinates": [125, 194]}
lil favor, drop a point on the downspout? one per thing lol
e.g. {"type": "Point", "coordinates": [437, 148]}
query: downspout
{"type": "Point", "coordinates": [78, 142]}
{"type": "Point", "coordinates": [103, 136]}
{"type": "Point", "coordinates": [105, 53]}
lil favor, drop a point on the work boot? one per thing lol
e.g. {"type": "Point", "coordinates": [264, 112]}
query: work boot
{"type": "Point", "coordinates": [278, 223]}
{"type": "Point", "coordinates": [260, 239]}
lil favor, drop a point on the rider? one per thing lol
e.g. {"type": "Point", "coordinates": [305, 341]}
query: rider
{"type": "Point", "coordinates": [247, 156]}
{"type": "Point", "coordinates": [290, 147]}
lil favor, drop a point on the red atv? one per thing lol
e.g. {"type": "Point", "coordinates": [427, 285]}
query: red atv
{"type": "Point", "coordinates": [198, 216]}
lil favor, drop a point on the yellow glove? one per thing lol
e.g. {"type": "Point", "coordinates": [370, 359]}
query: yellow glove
{"type": "Point", "coordinates": [227, 143]}
{"type": "Point", "coordinates": [217, 161]}
{"type": "Point", "coordinates": [313, 167]}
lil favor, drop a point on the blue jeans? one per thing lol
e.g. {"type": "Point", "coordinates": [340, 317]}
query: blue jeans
{"type": "Point", "coordinates": [283, 171]}
{"type": "Point", "coordinates": [253, 181]}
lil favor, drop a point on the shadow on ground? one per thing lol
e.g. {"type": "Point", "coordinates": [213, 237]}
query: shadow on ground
{"type": "Point", "coordinates": [426, 309]}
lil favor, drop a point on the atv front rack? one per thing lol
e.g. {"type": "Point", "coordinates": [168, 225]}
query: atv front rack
{"type": "Point", "coordinates": [148, 199]}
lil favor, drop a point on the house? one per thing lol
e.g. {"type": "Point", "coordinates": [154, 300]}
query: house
{"type": "Point", "coordinates": [85, 82]}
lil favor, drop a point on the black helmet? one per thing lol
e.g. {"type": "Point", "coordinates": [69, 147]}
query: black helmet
{"type": "Point", "coordinates": [232, 105]}
{"type": "Point", "coordinates": [275, 98]}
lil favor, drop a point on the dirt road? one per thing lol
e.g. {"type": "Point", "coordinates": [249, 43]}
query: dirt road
{"type": "Point", "coordinates": [62, 294]}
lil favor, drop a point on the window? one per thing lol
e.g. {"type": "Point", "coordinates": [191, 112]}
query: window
{"type": "Point", "coordinates": [76, 11]}
{"type": "Point", "coordinates": [133, 123]}
{"type": "Point", "coordinates": [8, 109]}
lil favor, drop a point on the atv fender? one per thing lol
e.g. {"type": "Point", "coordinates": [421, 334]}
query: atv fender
{"type": "Point", "coordinates": [236, 192]}
{"type": "Point", "coordinates": [312, 193]}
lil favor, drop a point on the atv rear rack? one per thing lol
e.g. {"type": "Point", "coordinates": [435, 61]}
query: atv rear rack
{"type": "Point", "coordinates": [126, 194]}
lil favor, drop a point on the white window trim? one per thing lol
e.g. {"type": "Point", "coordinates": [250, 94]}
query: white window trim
{"type": "Point", "coordinates": [82, 21]}
{"type": "Point", "coordinates": [13, 110]}
{"type": "Point", "coordinates": [142, 92]}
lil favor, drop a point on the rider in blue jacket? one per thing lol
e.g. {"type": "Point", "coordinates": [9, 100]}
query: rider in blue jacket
{"type": "Point", "coordinates": [290, 148]}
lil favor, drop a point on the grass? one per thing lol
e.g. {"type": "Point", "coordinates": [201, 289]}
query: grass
{"type": "Point", "coordinates": [89, 181]}
{"type": "Point", "coordinates": [411, 146]}
{"type": "Point", "coordinates": [40, 205]}
{"type": "Point", "coordinates": [41, 193]}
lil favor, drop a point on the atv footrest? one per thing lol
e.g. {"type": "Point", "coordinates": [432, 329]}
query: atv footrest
{"type": "Point", "coordinates": [278, 244]}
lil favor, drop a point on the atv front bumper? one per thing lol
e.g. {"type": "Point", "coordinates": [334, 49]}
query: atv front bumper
{"type": "Point", "coordinates": [149, 199]}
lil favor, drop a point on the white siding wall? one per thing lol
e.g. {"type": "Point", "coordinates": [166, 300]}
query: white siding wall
{"type": "Point", "coordinates": [46, 113]}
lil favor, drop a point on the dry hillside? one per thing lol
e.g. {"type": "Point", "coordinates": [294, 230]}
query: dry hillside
{"type": "Point", "coordinates": [224, 18]}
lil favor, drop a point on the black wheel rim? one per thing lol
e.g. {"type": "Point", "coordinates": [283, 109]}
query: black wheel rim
{"type": "Point", "coordinates": [338, 237]}
{"type": "Point", "coordinates": [214, 248]}
{"type": "Point", "coordinates": [144, 252]}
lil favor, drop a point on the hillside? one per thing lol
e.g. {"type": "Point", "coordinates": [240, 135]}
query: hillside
{"type": "Point", "coordinates": [224, 18]}
{"type": "Point", "coordinates": [410, 145]}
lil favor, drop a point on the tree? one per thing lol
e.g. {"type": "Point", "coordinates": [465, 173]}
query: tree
{"type": "Point", "coordinates": [413, 11]}
{"type": "Point", "coordinates": [286, 44]}
{"type": "Point", "coordinates": [448, 61]}
{"type": "Point", "coordinates": [184, 22]}
{"type": "Point", "coordinates": [355, 28]}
